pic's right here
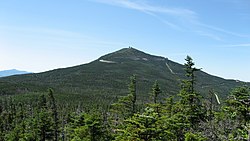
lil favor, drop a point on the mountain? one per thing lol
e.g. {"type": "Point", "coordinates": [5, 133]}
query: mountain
{"type": "Point", "coordinates": [106, 78]}
{"type": "Point", "coordinates": [5, 73]}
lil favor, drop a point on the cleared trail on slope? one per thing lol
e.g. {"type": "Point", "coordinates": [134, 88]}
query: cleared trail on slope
{"type": "Point", "coordinates": [169, 68]}
{"type": "Point", "coordinates": [106, 61]}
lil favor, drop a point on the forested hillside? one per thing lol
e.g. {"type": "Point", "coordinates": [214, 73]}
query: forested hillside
{"type": "Point", "coordinates": [185, 116]}
{"type": "Point", "coordinates": [105, 79]}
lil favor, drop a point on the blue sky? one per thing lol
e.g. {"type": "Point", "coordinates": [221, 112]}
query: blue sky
{"type": "Point", "coordinates": [40, 35]}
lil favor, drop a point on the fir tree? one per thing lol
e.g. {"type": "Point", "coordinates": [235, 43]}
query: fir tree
{"type": "Point", "coordinates": [53, 107]}
{"type": "Point", "coordinates": [156, 91]}
{"type": "Point", "coordinates": [126, 106]}
{"type": "Point", "coordinates": [88, 128]}
{"type": "Point", "coordinates": [147, 126]}
{"type": "Point", "coordinates": [190, 99]}
{"type": "Point", "coordinates": [238, 111]}
{"type": "Point", "coordinates": [132, 93]}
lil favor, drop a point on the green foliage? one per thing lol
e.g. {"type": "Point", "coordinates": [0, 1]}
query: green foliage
{"type": "Point", "coordinates": [189, 98]}
{"type": "Point", "coordinates": [88, 128]}
{"type": "Point", "coordinates": [132, 93]}
{"type": "Point", "coordinates": [144, 127]}
{"type": "Point", "coordinates": [55, 115]}
{"type": "Point", "coordinates": [193, 137]}
{"type": "Point", "coordinates": [237, 110]}
{"type": "Point", "coordinates": [239, 104]}
{"type": "Point", "coordinates": [126, 106]}
{"type": "Point", "coordinates": [99, 83]}
{"type": "Point", "coordinates": [156, 91]}
{"type": "Point", "coordinates": [53, 107]}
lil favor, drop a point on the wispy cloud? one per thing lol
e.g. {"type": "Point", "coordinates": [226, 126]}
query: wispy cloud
{"type": "Point", "coordinates": [148, 8]}
{"type": "Point", "coordinates": [210, 35]}
{"type": "Point", "coordinates": [57, 37]}
{"type": "Point", "coordinates": [166, 22]}
{"type": "Point", "coordinates": [237, 45]}
{"type": "Point", "coordinates": [184, 19]}
{"type": "Point", "coordinates": [40, 30]}
{"type": "Point", "coordinates": [222, 30]}
{"type": "Point", "coordinates": [178, 13]}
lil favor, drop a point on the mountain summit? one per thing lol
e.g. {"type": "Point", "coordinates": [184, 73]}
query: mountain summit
{"type": "Point", "coordinates": [107, 77]}
{"type": "Point", "coordinates": [131, 54]}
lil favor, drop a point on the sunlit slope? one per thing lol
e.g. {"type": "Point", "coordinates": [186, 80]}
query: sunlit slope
{"type": "Point", "coordinates": [108, 77]}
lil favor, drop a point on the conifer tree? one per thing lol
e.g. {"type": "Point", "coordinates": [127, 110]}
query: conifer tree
{"type": "Point", "coordinates": [238, 111]}
{"type": "Point", "coordinates": [132, 93]}
{"type": "Point", "coordinates": [190, 99]}
{"type": "Point", "coordinates": [126, 106]}
{"type": "Point", "coordinates": [169, 106]}
{"type": "Point", "coordinates": [156, 91]}
{"type": "Point", "coordinates": [147, 126]}
{"type": "Point", "coordinates": [190, 70]}
{"type": "Point", "coordinates": [43, 120]}
{"type": "Point", "coordinates": [1, 121]}
{"type": "Point", "coordinates": [86, 127]}
{"type": "Point", "coordinates": [53, 107]}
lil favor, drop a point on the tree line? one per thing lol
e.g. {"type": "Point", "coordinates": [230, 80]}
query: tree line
{"type": "Point", "coordinates": [188, 116]}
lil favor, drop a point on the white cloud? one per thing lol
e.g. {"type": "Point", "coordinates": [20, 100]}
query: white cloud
{"type": "Point", "coordinates": [178, 13]}
{"type": "Point", "coordinates": [145, 7]}
{"type": "Point", "coordinates": [184, 19]}
{"type": "Point", "coordinates": [222, 30]}
{"type": "Point", "coordinates": [210, 35]}
{"type": "Point", "coordinates": [58, 38]}
{"type": "Point", "coordinates": [238, 45]}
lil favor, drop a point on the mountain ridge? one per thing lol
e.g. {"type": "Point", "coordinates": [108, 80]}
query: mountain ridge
{"type": "Point", "coordinates": [108, 76]}
{"type": "Point", "coordinates": [5, 73]}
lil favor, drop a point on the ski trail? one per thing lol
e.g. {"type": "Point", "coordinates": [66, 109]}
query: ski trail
{"type": "Point", "coordinates": [217, 98]}
{"type": "Point", "coordinates": [106, 61]}
{"type": "Point", "coordinates": [170, 68]}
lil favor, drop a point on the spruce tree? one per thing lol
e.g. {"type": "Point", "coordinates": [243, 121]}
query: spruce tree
{"type": "Point", "coordinates": [43, 120]}
{"type": "Point", "coordinates": [191, 99]}
{"type": "Point", "coordinates": [132, 93]}
{"type": "Point", "coordinates": [126, 106]}
{"type": "Point", "coordinates": [156, 91]}
{"type": "Point", "coordinates": [53, 107]}
{"type": "Point", "coordinates": [147, 126]}
{"type": "Point", "coordinates": [88, 127]}
{"type": "Point", "coordinates": [237, 110]}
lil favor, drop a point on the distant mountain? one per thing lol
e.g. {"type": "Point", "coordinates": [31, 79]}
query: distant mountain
{"type": "Point", "coordinates": [5, 73]}
{"type": "Point", "coordinates": [106, 78]}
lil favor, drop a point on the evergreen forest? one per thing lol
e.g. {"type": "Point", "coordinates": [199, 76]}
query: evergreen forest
{"type": "Point", "coordinates": [185, 116]}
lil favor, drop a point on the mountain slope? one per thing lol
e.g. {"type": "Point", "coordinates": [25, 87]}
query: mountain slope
{"type": "Point", "coordinates": [107, 77]}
